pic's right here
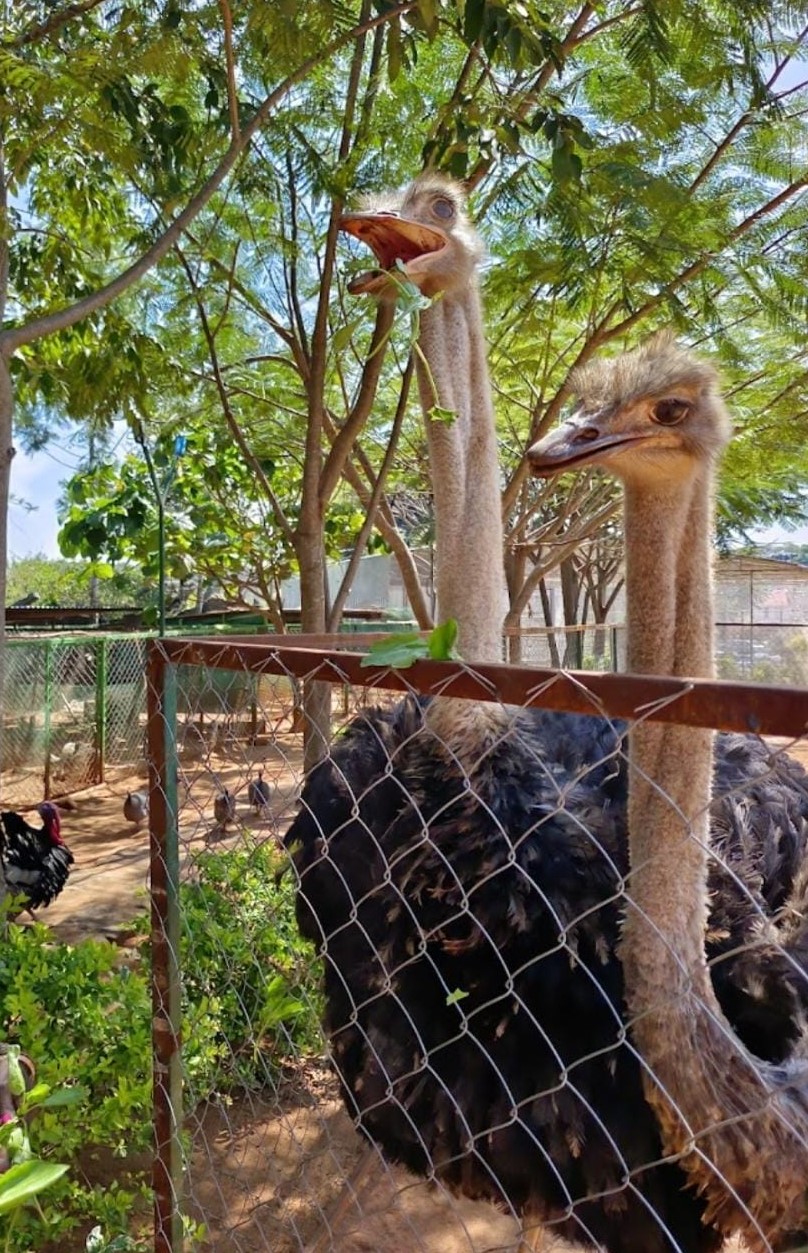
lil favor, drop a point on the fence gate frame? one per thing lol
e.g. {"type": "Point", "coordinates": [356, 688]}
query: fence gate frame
{"type": "Point", "coordinates": [721, 705]}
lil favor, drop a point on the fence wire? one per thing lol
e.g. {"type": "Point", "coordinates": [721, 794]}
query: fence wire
{"type": "Point", "coordinates": [398, 983]}
{"type": "Point", "coordinates": [72, 709]}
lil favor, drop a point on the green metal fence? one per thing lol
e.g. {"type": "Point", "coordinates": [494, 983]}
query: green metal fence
{"type": "Point", "coordinates": [73, 708]}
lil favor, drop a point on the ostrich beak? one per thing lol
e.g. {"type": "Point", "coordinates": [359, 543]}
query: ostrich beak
{"type": "Point", "coordinates": [583, 440]}
{"type": "Point", "coordinates": [393, 239]}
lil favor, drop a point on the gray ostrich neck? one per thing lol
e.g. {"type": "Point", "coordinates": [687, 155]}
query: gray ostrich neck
{"type": "Point", "coordinates": [739, 1127]}
{"type": "Point", "coordinates": [670, 632]}
{"type": "Point", "coordinates": [465, 473]}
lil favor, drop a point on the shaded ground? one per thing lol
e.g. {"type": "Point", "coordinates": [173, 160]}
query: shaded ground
{"type": "Point", "coordinates": [267, 1174]}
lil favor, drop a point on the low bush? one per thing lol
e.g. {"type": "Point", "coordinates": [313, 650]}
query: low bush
{"type": "Point", "coordinates": [83, 1014]}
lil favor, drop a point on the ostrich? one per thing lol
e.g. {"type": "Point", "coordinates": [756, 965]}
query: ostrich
{"type": "Point", "coordinates": [461, 870]}
{"type": "Point", "coordinates": [740, 1125]}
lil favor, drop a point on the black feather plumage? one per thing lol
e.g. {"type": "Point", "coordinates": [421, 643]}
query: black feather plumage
{"type": "Point", "coordinates": [36, 861]}
{"type": "Point", "coordinates": [469, 919]}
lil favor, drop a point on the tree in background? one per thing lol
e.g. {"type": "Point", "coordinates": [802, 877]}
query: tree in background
{"type": "Point", "coordinates": [631, 166]}
{"type": "Point", "coordinates": [55, 581]}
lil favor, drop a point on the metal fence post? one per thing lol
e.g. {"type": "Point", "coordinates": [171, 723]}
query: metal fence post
{"type": "Point", "coordinates": [46, 781]}
{"type": "Point", "coordinates": [100, 709]}
{"type": "Point", "coordinates": [165, 937]}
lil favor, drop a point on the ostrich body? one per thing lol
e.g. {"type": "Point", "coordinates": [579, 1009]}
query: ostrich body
{"type": "Point", "coordinates": [739, 1124]}
{"type": "Point", "coordinates": [461, 868]}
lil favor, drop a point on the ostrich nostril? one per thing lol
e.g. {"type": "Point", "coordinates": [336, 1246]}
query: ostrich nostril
{"type": "Point", "coordinates": [586, 434]}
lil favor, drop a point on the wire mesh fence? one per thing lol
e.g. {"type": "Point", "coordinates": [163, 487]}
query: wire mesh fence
{"type": "Point", "coordinates": [72, 709]}
{"type": "Point", "coordinates": [397, 1005]}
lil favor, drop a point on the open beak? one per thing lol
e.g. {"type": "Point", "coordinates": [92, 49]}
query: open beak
{"type": "Point", "coordinates": [395, 241]}
{"type": "Point", "coordinates": [579, 442]}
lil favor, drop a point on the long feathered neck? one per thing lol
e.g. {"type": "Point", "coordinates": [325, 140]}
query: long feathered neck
{"type": "Point", "coordinates": [465, 472]}
{"type": "Point", "coordinates": [670, 631]}
{"type": "Point", "coordinates": [725, 1114]}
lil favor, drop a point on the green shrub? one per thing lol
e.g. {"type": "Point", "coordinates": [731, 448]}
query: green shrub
{"type": "Point", "coordinates": [83, 1013]}
{"type": "Point", "coordinates": [250, 983]}
{"type": "Point", "coordinates": [85, 1020]}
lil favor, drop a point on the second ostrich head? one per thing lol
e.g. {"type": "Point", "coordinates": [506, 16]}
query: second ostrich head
{"type": "Point", "coordinates": [654, 415]}
{"type": "Point", "coordinates": [423, 235]}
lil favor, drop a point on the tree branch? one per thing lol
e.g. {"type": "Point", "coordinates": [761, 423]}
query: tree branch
{"type": "Point", "coordinates": [341, 447]}
{"type": "Point", "coordinates": [51, 24]}
{"type": "Point", "coordinates": [371, 511]}
{"type": "Point", "coordinates": [232, 422]}
{"type": "Point", "coordinates": [61, 319]}
{"type": "Point", "coordinates": [230, 66]}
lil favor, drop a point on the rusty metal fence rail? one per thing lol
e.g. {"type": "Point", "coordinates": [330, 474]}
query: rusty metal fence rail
{"type": "Point", "coordinates": [422, 952]}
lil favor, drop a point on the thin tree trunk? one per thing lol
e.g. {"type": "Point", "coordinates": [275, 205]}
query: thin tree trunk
{"type": "Point", "coordinates": [515, 564]}
{"type": "Point", "coordinates": [571, 594]}
{"type": "Point", "coordinates": [555, 660]}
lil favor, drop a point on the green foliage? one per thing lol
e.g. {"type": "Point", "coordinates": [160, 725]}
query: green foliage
{"type": "Point", "coordinates": [67, 583]}
{"type": "Point", "coordinates": [85, 1021]}
{"type": "Point", "coordinates": [83, 1014]}
{"type": "Point", "coordinates": [399, 652]}
{"type": "Point", "coordinates": [250, 984]}
{"type": "Point", "coordinates": [635, 166]}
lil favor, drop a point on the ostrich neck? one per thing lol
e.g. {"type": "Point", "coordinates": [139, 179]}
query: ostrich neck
{"type": "Point", "coordinates": [670, 631]}
{"type": "Point", "coordinates": [738, 1126]}
{"type": "Point", "coordinates": [464, 467]}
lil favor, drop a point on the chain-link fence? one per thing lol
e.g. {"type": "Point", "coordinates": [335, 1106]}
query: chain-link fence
{"type": "Point", "coordinates": [423, 952]}
{"type": "Point", "coordinates": [72, 709]}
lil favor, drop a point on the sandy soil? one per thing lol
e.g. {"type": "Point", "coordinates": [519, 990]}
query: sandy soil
{"type": "Point", "coordinates": [271, 1174]}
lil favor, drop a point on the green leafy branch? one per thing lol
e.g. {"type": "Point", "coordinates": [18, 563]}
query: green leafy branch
{"type": "Point", "coordinates": [399, 652]}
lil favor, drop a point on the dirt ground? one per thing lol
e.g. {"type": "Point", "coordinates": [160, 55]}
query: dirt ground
{"type": "Point", "coordinates": [273, 1175]}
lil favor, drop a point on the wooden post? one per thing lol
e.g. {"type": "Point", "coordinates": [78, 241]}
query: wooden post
{"type": "Point", "coordinates": [100, 709]}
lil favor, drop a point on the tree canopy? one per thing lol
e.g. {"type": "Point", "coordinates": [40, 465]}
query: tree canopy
{"type": "Point", "coordinates": [630, 166]}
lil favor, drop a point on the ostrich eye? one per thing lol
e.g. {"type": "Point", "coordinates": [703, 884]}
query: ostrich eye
{"type": "Point", "coordinates": [443, 208]}
{"type": "Point", "coordinates": [670, 412]}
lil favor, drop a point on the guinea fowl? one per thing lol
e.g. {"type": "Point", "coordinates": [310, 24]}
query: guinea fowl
{"type": "Point", "coordinates": [462, 869]}
{"type": "Point", "coordinates": [36, 861]}
{"type": "Point", "coordinates": [136, 808]}
{"type": "Point", "coordinates": [259, 793]}
{"type": "Point", "coordinates": [224, 808]}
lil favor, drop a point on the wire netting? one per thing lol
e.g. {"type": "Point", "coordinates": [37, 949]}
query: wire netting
{"type": "Point", "coordinates": [398, 981]}
{"type": "Point", "coordinates": [72, 709]}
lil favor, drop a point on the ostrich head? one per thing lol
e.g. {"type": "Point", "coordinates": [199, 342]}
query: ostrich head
{"type": "Point", "coordinates": [653, 415]}
{"type": "Point", "coordinates": [421, 234]}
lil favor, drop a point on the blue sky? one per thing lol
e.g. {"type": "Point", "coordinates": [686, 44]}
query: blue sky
{"type": "Point", "coordinates": [37, 480]}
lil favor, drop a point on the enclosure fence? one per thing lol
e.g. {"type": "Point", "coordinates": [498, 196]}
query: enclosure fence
{"type": "Point", "coordinates": [72, 709]}
{"type": "Point", "coordinates": [391, 1012]}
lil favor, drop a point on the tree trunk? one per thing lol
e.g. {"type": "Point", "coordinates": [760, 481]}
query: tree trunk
{"type": "Point", "coordinates": [515, 563]}
{"type": "Point", "coordinates": [570, 595]}
{"type": "Point", "coordinates": [555, 660]}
